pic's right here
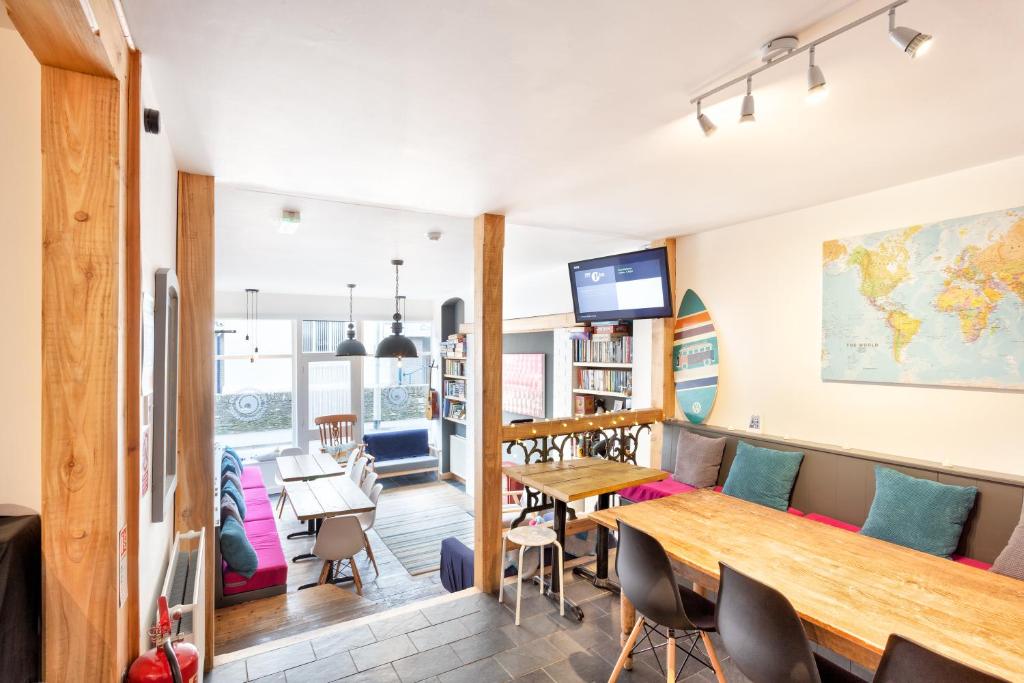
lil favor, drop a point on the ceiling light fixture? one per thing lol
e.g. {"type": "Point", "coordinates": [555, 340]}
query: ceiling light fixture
{"type": "Point", "coordinates": [911, 41]}
{"type": "Point", "coordinates": [747, 110]}
{"type": "Point", "coordinates": [706, 124]}
{"type": "Point", "coordinates": [252, 322]}
{"type": "Point", "coordinates": [817, 88]}
{"type": "Point", "coordinates": [351, 346]}
{"type": "Point", "coordinates": [397, 345]}
{"type": "Point", "coordinates": [290, 219]}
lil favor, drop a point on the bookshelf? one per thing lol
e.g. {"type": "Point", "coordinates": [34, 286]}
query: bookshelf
{"type": "Point", "coordinates": [602, 368]}
{"type": "Point", "coordinates": [453, 379]}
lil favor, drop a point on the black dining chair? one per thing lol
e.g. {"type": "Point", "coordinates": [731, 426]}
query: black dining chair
{"type": "Point", "coordinates": [647, 580]}
{"type": "Point", "coordinates": [764, 636]}
{"type": "Point", "coordinates": [905, 660]}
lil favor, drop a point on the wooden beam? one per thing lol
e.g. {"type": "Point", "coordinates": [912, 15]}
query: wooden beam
{"type": "Point", "coordinates": [60, 35]}
{"type": "Point", "coordinates": [81, 412]}
{"type": "Point", "coordinates": [536, 323]}
{"type": "Point", "coordinates": [193, 501]}
{"type": "Point", "coordinates": [663, 390]}
{"type": "Point", "coordinates": [486, 351]}
{"type": "Point", "coordinates": [133, 345]}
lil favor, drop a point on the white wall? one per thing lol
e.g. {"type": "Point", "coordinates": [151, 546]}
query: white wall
{"type": "Point", "coordinates": [762, 281]}
{"type": "Point", "coordinates": [20, 273]}
{"type": "Point", "coordinates": [159, 196]}
{"type": "Point", "coordinates": [231, 304]}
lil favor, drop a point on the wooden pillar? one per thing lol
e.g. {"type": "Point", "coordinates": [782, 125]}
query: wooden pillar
{"type": "Point", "coordinates": [193, 501]}
{"type": "Point", "coordinates": [488, 247]}
{"type": "Point", "coordinates": [663, 393]}
{"type": "Point", "coordinates": [81, 345]}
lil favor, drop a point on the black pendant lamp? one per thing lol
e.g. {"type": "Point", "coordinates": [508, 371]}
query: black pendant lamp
{"type": "Point", "coordinates": [351, 346]}
{"type": "Point", "coordinates": [397, 345]}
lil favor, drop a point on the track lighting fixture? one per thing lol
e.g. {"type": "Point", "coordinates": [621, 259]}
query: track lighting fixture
{"type": "Point", "coordinates": [911, 41]}
{"type": "Point", "coordinates": [914, 43]}
{"type": "Point", "coordinates": [747, 110]}
{"type": "Point", "coordinates": [817, 88]}
{"type": "Point", "coordinates": [706, 124]}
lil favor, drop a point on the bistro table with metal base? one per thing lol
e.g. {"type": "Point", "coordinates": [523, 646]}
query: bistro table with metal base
{"type": "Point", "coordinates": [313, 501]}
{"type": "Point", "coordinates": [307, 467]}
{"type": "Point", "coordinates": [566, 481]}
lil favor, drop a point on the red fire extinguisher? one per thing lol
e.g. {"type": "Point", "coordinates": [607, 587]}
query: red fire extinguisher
{"type": "Point", "coordinates": [169, 661]}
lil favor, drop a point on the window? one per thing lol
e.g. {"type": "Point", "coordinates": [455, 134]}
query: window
{"type": "Point", "coordinates": [322, 336]}
{"type": "Point", "coordinates": [395, 394]}
{"type": "Point", "coordinates": [253, 402]}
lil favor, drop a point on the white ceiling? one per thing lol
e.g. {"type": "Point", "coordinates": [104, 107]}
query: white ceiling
{"type": "Point", "coordinates": [575, 113]}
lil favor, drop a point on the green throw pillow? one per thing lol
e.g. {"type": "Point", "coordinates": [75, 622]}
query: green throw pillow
{"type": "Point", "coordinates": [762, 475]}
{"type": "Point", "coordinates": [236, 549]}
{"type": "Point", "coordinates": [918, 513]}
{"type": "Point", "coordinates": [236, 495]}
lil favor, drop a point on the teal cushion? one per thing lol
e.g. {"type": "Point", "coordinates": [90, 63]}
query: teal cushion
{"type": "Point", "coordinates": [236, 549]}
{"type": "Point", "coordinates": [762, 475]}
{"type": "Point", "coordinates": [229, 464]}
{"type": "Point", "coordinates": [236, 495]}
{"type": "Point", "coordinates": [918, 513]}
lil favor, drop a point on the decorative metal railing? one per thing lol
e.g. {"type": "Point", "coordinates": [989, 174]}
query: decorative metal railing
{"type": "Point", "coordinates": [613, 435]}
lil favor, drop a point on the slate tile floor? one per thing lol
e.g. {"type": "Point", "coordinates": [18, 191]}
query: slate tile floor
{"type": "Point", "coordinates": [472, 639]}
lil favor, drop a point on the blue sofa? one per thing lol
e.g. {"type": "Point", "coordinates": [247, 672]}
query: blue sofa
{"type": "Point", "coordinates": [406, 451]}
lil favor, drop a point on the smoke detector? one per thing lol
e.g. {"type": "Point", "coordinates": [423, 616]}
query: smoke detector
{"type": "Point", "coordinates": [290, 219]}
{"type": "Point", "coordinates": [434, 235]}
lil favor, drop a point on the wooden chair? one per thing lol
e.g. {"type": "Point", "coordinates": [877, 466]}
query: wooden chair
{"type": "Point", "coordinates": [336, 431]}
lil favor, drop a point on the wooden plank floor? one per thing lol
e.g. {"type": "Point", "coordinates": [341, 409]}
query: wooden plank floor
{"type": "Point", "coordinates": [282, 615]}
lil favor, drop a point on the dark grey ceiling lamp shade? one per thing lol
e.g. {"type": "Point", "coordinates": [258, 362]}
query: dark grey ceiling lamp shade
{"type": "Point", "coordinates": [396, 345]}
{"type": "Point", "coordinates": [913, 42]}
{"type": "Point", "coordinates": [351, 346]}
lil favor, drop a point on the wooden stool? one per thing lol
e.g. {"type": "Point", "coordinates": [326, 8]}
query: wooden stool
{"type": "Point", "coordinates": [532, 537]}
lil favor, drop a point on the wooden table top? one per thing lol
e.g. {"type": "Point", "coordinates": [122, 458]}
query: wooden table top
{"type": "Point", "coordinates": [327, 497]}
{"type": "Point", "coordinates": [308, 466]}
{"type": "Point", "coordinates": [849, 589]}
{"type": "Point", "coordinates": [569, 480]}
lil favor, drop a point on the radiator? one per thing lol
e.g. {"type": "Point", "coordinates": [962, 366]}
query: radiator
{"type": "Point", "coordinates": [185, 590]}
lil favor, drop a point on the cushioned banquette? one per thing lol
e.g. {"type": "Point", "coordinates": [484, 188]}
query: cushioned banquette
{"type": "Point", "coordinates": [271, 577]}
{"type": "Point", "coordinates": [404, 451]}
{"type": "Point", "coordinates": [836, 486]}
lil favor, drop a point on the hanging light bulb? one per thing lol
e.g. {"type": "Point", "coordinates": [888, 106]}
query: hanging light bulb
{"type": "Point", "coordinates": [817, 88]}
{"type": "Point", "coordinates": [350, 346]}
{"type": "Point", "coordinates": [706, 124]}
{"type": "Point", "coordinates": [747, 110]}
{"type": "Point", "coordinates": [396, 345]}
{"type": "Point", "coordinates": [911, 41]}
{"type": "Point", "coordinates": [252, 314]}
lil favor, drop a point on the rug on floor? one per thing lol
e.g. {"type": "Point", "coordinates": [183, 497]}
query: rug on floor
{"type": "Point", "coordinates": [415, 536]}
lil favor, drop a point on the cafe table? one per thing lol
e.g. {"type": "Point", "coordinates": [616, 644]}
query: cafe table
{"type": "Point", "coordinates": [306, 467]}
{"type": "Point", "coordinates": [566, 481]}
{"type": "Point", "coordinates": [850, 590]}
{"type": "Point", "coordinates": [316, 499]}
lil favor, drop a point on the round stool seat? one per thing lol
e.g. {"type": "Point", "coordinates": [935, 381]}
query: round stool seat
{"type": "Point", "coordinates": [532, 536]}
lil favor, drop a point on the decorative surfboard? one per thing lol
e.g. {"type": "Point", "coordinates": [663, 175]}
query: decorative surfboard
{"type": "Point", "coordinates": [695, 359]}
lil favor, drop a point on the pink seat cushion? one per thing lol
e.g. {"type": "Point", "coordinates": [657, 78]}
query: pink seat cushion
{"type": "Point", "coordinates": [252, 478]}
{"type": "Point", "coordinates": [655, 490]}
{"type": "Point", "coordinates": [833, 522]}
{"type": "Point", "coordinates": [258, 509]}
{"type": "Point", "coordinates": [272, 569]}
{"type": "Point", "coordinates": [977, 564]}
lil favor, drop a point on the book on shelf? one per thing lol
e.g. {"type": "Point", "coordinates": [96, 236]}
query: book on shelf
{"type": "Point", "coordinates": [455, 367]}
{"type": "Point", "coordinates": [618, 350]}
{"type": "Point", "coordinates": [455, 411]}
{"type": "Point", "coordinates": [583, 404]}
{"type": "Point", "coordinates": [618, 381]}
{"type": "Point", "coordinates": [455, 388]}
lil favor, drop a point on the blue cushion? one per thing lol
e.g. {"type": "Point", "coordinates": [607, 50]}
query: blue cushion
{"type": "Point", "coordinates": [230, 489]}
{"type": "Point", "coordinates": [236, 549]}
{"type": "Point", "coordinates": [762, 475]}
{"type": "Point", "coordinates": [918, 513]}
{"type": "Point", "coordinates": [403, 443]}
{"type": "Point", "coordinates": [228, 464]}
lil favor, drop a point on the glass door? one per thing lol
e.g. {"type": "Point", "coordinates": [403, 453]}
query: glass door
{"type": "Point", "coordinates": [326, 384]}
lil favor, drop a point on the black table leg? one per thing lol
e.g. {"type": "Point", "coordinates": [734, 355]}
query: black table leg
{"type": "Point", "coordinates": [313, 528]}
{"type": "Point", "coordinates": [310, 531]}
{"type": "Point", "coordinates": [600, 577]}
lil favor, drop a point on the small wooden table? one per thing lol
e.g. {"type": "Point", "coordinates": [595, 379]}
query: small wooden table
{"type": "Point", "coordinates": [308, 466]}
{"type": "Point", "coordinates": [851, 591]}
{"type": "Point", "coordinates": [566, 481]}
{"type": "Point", "coordinates": [314, 500]}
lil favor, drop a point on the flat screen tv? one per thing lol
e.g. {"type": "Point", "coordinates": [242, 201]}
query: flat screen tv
{"type": "Point", "coordinates": [628, 286]}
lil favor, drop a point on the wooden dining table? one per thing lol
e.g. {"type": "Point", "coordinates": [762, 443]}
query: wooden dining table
{"type": "Point", "coordinates": [566, 481]}
{"type": "Point", "coordinates": [850, 590]}
{"type": "Point", "coordinates": [308, 466]}
{"type": "Point", "coordinates": [317, 499]}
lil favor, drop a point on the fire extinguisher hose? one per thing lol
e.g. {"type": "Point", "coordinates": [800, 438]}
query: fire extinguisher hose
{"type": "Point", "coordinates": [172, 661]}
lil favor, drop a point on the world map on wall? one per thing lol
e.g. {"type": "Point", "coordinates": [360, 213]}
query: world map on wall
{"type": "Point", "coordinates": [940, 303]}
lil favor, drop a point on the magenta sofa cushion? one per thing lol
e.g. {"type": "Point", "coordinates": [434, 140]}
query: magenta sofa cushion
{"type": "Point", "coordinates": [977, 564]}
{"type": "Point", "coordinates": [655, 490]}
{"type": "Point", "coordinates": [258, 505]}
{"type": "Point", "coordinates": [252, 478]}
{"type": "Point", "coordinates": [833, 522]}
{"type": "Point", "coordinates": [272, 568]}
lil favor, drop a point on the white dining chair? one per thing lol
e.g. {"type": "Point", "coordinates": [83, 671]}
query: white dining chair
{"type": "Point", "coordinates": [367, 520]}
{"type": "Point", "coordinates": [340, 538]}
{"type": "Point", "coordinates": [356, 471]}
{"type": "Point", "coordinates": [369, 479]}
{"type": "Point", "coordinates": [283, 496]}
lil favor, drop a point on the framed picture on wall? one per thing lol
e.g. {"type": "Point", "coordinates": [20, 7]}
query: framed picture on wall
{"type": "Point", "coordinates": [164, 464]}
{"type": "Point", "coordinates": [522, 384]}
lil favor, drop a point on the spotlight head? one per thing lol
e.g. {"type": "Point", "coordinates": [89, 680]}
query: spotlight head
{"type": "Point", "coordinates": [911, 41]}
{"type": "Point", "coordinates": [817, 88]}
{"type": "Point", "coordinates": [747, 110]}
{"type": "Point", "coordinates": [706, 124]}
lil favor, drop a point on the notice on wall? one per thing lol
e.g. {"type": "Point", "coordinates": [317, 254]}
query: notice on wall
{"type": "Point", "coordinates": [122, 565]}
